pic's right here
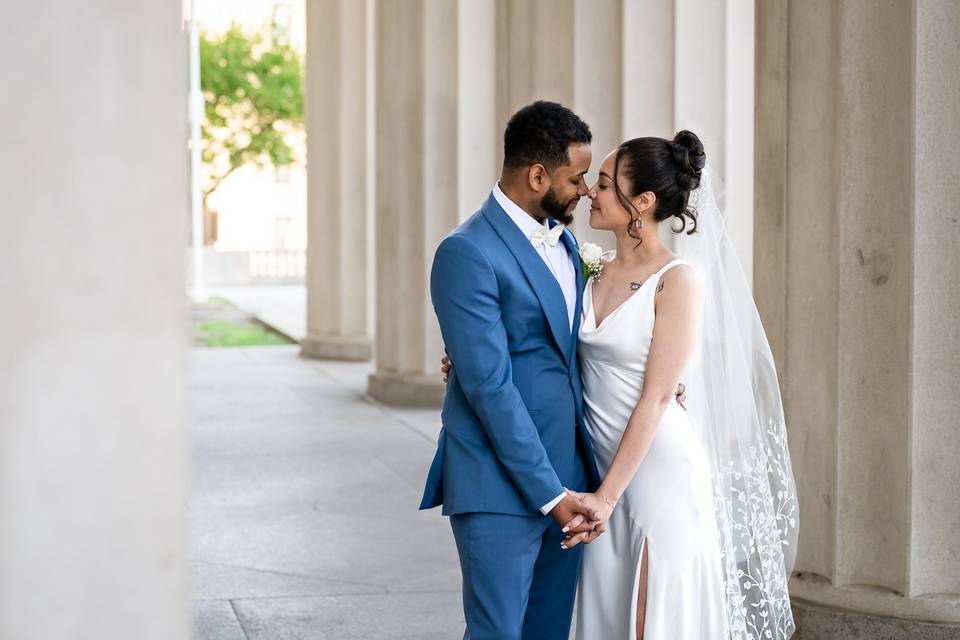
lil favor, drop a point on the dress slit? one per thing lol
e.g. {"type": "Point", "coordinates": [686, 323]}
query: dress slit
{"type": "Point", "coordinates": [638, 574]}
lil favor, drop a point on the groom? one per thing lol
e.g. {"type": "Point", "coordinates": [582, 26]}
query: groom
{"type": "Point", "coordinates": [507, 287]}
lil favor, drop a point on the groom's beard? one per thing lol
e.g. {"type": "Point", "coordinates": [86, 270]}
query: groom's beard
{"type": "Point", "coordinates": [558, 210]}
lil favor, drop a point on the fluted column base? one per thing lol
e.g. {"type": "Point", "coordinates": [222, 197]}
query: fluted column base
{"type": "Point", "coordinates": [347, 349]}
{"type": "Point", "coordinates": [825, 612]}
{"type": "Point", "coordinates": [408, 390]}
{"type": "Point", "coordinates": [820, 622]}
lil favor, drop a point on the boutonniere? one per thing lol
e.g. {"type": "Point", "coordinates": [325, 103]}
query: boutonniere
{"type": "Point", "coordinates": [591, 257]}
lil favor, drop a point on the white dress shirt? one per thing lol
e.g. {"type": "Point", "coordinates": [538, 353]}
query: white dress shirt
{"type": "Point", "coordinates": [557, 260]}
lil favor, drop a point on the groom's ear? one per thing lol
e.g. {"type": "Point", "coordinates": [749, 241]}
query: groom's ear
{"type": "Point", "coordinates": [537, 177]}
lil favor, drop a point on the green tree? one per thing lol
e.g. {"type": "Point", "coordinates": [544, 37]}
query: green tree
{"type": "Point", "coordinates": [253, 94]}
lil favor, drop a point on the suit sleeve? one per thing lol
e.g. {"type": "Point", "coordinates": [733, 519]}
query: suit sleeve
{"type": "Point", "coordinates": [466, 298]}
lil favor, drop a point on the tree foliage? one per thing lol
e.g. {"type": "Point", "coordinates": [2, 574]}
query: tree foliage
{"type": "Point", "coordinates": [253, 97]}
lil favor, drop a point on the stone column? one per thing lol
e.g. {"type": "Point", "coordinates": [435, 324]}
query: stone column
{"type": "Point", "coordinates": [649, 78]}
{"type": "Point", "coordinates": [423, 134]}
{"type": "Point", "coordinates": [479, 135]}
{"type": "Point", "coordinates": [534, 54]}
{"type": "Point", "coordinates": [598, 91]}
{"type": "Point", "coordinates": [93, 461]}
{"type": "Point", "coordinates": [647, 35]}
{"type": "Point", "coordinates": [935, 307]}
{"type": "Point", "coordinates": [688, 64]}
{"type": "Point", "coordinates": [860, 296]}
{"type": "Point", "coordinates": [336, 99]}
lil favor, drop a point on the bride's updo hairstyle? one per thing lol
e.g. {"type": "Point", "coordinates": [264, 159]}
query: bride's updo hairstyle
{"type": "Point", "coordinates": [668, 168]}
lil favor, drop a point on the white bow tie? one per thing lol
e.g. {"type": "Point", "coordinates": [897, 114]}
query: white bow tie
{"type": "Point", "coordinates": [551, 237]}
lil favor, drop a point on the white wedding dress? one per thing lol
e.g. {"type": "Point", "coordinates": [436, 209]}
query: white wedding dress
{"type": "Point", "coordinates": [668, 505]}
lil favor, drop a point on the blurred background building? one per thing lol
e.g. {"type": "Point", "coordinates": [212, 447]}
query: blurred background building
{"type": "Point", "coordinates": [253, 177]}
{"type": "Point", "coordinates": [832, 122]}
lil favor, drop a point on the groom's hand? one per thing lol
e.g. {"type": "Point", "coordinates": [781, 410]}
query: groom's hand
{"type": "Point", "coordinates": [569, 511]}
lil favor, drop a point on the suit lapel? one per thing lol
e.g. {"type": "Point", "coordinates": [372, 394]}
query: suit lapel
{"type": "Point", "coordinates": [541, 280]}
{"type": "Point", "coordinates": [571, 244]}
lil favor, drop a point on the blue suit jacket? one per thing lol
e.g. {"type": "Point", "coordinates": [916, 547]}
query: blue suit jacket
{"type": "Point", "coordinates": [513, 432]}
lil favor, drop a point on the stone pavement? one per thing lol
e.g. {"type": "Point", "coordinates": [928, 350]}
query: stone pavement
{"type": "Point", "coordinates": [304, 521]}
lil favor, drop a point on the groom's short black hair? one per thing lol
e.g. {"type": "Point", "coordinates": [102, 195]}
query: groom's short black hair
{"type": "Point", "coordinates": [542, 132]}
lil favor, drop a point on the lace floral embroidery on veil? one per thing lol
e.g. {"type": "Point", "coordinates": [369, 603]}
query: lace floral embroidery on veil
{"type": "Point", "coordinates": [753, 525]}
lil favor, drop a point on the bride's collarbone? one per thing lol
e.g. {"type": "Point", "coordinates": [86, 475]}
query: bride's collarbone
{"type": "Point", "coordinates": [611, 291]}
{"type": "Point", "coordinates": [618, 284]}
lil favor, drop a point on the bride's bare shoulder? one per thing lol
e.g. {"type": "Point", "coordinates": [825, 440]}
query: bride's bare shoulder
{"type": "Point", "coordinates": [680, 278]}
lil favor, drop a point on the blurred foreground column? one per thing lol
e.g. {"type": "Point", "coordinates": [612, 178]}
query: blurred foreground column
{"type": "Point", "coordinates": [336, 104]}
{"type": "Point", "coordinates": [858, 281]}
{"type": "Point", "coordinates": [93, 167]}
{"type": "Point", "coordinates": [435, 165]}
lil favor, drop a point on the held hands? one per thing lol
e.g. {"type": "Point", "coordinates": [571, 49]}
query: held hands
{"type": "Point", "coordinates": [580, 528]}
{"type": "Point", "coordinates": [574, 516]}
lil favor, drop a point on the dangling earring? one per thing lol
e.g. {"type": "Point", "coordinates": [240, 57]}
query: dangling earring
{"type": "Point", "coordinates": [638, 223]}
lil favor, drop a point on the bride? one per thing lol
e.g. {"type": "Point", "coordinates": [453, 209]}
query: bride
{"type": "Point", "coordinates": [697, 509]}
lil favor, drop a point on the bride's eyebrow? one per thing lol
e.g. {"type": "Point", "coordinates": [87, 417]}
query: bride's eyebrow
{"type": "Point", "coordinates": [603, 175]}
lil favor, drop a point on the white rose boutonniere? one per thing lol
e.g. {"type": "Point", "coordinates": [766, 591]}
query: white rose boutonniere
{"type": "Point", "coordinates": [591, 256]}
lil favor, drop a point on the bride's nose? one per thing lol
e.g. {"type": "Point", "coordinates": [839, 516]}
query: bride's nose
{"type": "Point", "coordinates": [592, 192]}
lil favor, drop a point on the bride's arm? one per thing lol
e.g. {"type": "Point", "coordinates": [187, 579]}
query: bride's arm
{"type": "Point", "coordinates": [674, 335]}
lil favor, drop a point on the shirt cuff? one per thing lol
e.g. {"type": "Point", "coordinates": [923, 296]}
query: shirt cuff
{"type": "Point", "coordinates": [547, 508]}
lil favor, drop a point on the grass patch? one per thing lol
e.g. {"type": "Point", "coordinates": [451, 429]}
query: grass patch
{"type": "Point", "coordinates": [224, 333]}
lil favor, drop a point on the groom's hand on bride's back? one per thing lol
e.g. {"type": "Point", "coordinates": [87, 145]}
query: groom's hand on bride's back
{"type": "Point", "coordinates": [681, 393]}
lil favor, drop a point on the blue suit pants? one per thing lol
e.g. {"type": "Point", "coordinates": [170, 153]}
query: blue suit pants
{"type": "Point", "coordinates": [518, 584]}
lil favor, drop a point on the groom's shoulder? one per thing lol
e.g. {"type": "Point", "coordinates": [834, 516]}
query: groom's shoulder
{"type": "Point", "coordinates": [466, 238]}
{"type": "Point", "coordinates": [475, 229]}
{"type": "Point", "coordinates": [468, 246]}
{"type": "Point", "coordinates": [476, 226]}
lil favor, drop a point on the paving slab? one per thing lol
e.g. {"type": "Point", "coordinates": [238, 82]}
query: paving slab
{"type": "Point", "coordinates": [406, 616]}
{"type": "Point", "coordinates": [304, 520]}
{"type": "Point", "coordinates": [216, 620]}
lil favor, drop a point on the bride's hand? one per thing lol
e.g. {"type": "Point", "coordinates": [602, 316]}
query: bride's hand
{"type": "Point", "coordinates": [600, 504]}
{"type": "Point", "coordinates": [586, 537]}
{"type": "Point", "coordinates": [587, 532]}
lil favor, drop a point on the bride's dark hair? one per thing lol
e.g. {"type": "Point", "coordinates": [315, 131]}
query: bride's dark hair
{"type": "Point", "coordinates": [669, 168]}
